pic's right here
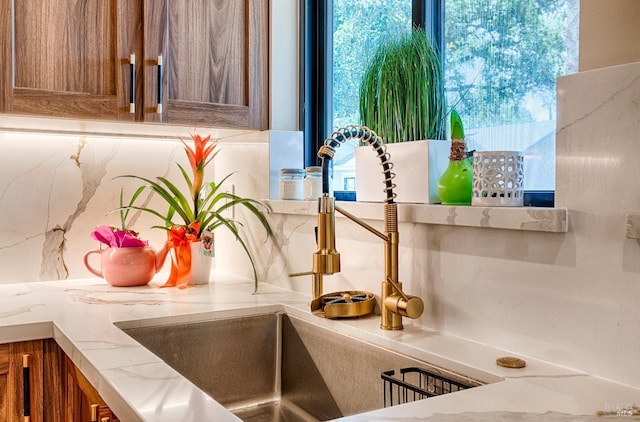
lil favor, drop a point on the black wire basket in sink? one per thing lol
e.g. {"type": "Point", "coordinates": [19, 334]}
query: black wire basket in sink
{"type": "Point", "coordinates": [417, 384]}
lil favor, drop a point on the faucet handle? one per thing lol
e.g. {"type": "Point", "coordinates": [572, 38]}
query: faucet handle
{"type": "Point", "coordinates": [317, 281]}
{"type": "Point", "coordinates": [301, 274]}
{"type": "Point", "coordinates": [405, 305]}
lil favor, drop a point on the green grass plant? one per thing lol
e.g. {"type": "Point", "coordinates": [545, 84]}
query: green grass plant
{"type": "Point", "coordinates": [401, 93]}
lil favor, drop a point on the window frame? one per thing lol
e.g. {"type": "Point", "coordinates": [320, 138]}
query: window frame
{"type": "Point", "coordinates": [316, 70]}
{"type": "Point", "coordinates": [317, 64]}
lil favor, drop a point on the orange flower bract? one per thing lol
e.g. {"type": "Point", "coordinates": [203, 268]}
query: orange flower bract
{"type": "Point", "coordinates": [199, 157]}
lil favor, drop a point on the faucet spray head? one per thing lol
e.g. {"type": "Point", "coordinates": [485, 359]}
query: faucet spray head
{"type": "Point", "coordinates": [326, 260]}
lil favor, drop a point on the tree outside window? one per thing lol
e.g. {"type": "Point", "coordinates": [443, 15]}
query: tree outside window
{"type": "Point", "coordinates": [501, 61]}
{"type": "Point", "coordinates": [502, 58]}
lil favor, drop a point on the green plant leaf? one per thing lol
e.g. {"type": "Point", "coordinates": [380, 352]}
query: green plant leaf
{"type": "Point", "coordinates": [233, 229]}
{"type": "Point", "coordinates": [401, 94]}
{"type": "Point", "coordinates": [167, 196]}
{"type": "Point", "coordinates": [149, 210]}
{"type": "Point", "coordinates": [124, 212]}
{"type": "Point", "coordinates": [186, 177]}
{"type": "Point", "coordinates": [179, 197]}
{"type": "Point", "coordinates": [457, 130]}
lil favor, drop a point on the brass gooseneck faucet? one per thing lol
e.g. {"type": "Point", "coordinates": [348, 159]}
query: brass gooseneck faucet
{"type": "Point", "coordinates": [395, 304]}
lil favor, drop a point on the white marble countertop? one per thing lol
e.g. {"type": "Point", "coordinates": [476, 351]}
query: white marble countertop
{"type": "Point", "coordinates": [138, 386]}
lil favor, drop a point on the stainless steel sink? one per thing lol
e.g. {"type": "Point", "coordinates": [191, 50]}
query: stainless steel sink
{"type": "Point", "coordinates": [277, 367]}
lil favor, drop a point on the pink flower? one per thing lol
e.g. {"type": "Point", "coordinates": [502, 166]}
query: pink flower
{"type": "Point", "coordinates": [114, 238]}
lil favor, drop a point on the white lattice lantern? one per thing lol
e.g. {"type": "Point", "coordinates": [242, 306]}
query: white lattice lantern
{"type": "Point", "coordinates": [498, 179]}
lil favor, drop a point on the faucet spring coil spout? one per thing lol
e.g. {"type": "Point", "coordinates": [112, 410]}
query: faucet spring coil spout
{"type": "Point", "coordinates": [395, 304]}
{"type": "Point", "coordinates": [367, 135]}
{"type": "Point", "coordinates": [326, 151]}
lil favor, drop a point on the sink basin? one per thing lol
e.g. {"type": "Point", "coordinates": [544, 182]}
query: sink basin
{"type": "Point", "coordinates": [277, 367]}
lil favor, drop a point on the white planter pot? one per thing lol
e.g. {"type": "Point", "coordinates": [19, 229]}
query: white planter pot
{"type": "Point", "coordinates": [418, 165]}
{"type": "Point", "coordinates": [498, 179]}
{"type": "Point", "coordinates": [201, 264]}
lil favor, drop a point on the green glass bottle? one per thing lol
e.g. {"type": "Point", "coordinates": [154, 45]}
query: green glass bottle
{"type": "Point", "coordinates": [456, 183]}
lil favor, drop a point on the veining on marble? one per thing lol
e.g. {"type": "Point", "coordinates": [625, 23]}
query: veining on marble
{"type": "Point", "coordinates": [633, 225]}
{"type": "Point", "coordinates": [91, 175]}
{"type": "Point", "coordinates": [19, 310]}
{"type": "Point", "coordinates": [57, 188]}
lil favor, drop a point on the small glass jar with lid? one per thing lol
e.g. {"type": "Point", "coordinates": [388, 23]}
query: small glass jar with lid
{"type": "Point", "coordinates": [313, 183]}
{"type": "Point", "coordinates": [292, 184]}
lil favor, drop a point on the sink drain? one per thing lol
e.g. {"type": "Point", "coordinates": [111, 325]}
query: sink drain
{"type": "Point", "coordinates": [347, 304]}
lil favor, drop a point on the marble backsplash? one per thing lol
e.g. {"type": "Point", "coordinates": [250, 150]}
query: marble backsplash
{"type": "Point", "coordinates": [55, 189]}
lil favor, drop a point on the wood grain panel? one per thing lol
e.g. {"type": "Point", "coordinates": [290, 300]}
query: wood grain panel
{"type": "Point", "coordinates": [81, 395]}
{"type": "Point", "coordinates": [68, 395]}
{"type": "Point", "coordinates": [129, 41]}
{"type": "Point", "coordinates": [155, 44]}
{"type": "Point", "coordinates": [6, 57]}
{"type": "Point", "coordinates": [209, 51]}
{"type": "Point", "coordinates": [73, 395]}
{"type": "Point", "coordinates": [4, 359]}
{"type": "Point", "coordinates": [72, 60]}
{"type": "Point", "coordinates": [259, 64]}
{"type": "Point", "coordinates": [208, 114]}
{"type": "Point", "coordinates": [3, 397]}
{"type": "Point", "coordinates": [217, 68]}
{"type": "Point", "coordinates": [55, 383]}
{"type": "Point", "coordinates": [4, 376]}
{"type": "Point", "coordinates": [15, 382]}
{"type": "Point", "coordinates": [64, 104]}
{"type": "Point", "coordinates": [66, 45]}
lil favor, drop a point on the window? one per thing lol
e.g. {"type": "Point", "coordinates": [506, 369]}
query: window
{"type": "Point", "coordinates": [352, 42]}
{"type": "Point", "coordinates": [501, 59]}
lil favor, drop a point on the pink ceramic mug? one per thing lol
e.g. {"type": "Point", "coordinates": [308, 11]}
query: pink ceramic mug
{"type": "Point", "coordinates": [124, 267]}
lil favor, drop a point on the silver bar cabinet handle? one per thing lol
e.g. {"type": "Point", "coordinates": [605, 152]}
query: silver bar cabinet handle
{"type": "Point", "coordinates": [159, 108]}
{"type": "Point", "coordinates": [132, 77]}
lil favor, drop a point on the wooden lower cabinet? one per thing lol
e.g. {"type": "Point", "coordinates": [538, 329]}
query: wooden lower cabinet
{"type": "Point", "coordinates": [58, 392]}
{"type": "Point", "coordinates": [14, 357]}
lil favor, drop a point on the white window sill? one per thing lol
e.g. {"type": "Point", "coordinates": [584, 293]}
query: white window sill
{"type": "Point", "coordinates": [550, 220]}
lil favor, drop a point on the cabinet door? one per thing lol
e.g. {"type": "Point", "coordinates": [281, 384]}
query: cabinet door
{"type": "Point", "coordinates": [81, 397]}
{"type": "Point", "coordinates": [68, 58]}
{"type": "Point", "coordinates": [68, 394]}
{"type": "Point", "coordinates": [12, 380]}
{"type": "Point", "coordinates": [4, 381]}
{"type": "Point", "coordinates": [55, 382]}
{"type": "Point", "coordinates": [215, 57]}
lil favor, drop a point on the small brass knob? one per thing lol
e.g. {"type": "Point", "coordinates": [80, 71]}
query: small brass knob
{"type": "Point", "coordinates": [511, 362]}
{"type": "Point", "coordinates": [410, 308]}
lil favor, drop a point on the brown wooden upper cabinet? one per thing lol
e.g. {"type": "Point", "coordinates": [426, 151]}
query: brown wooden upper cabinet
{"type": "Point", "coordinates": [204, 61]}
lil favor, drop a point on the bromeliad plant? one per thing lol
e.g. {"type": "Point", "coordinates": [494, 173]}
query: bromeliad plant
{"type": "Point", "coordinates": [203, 208]}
